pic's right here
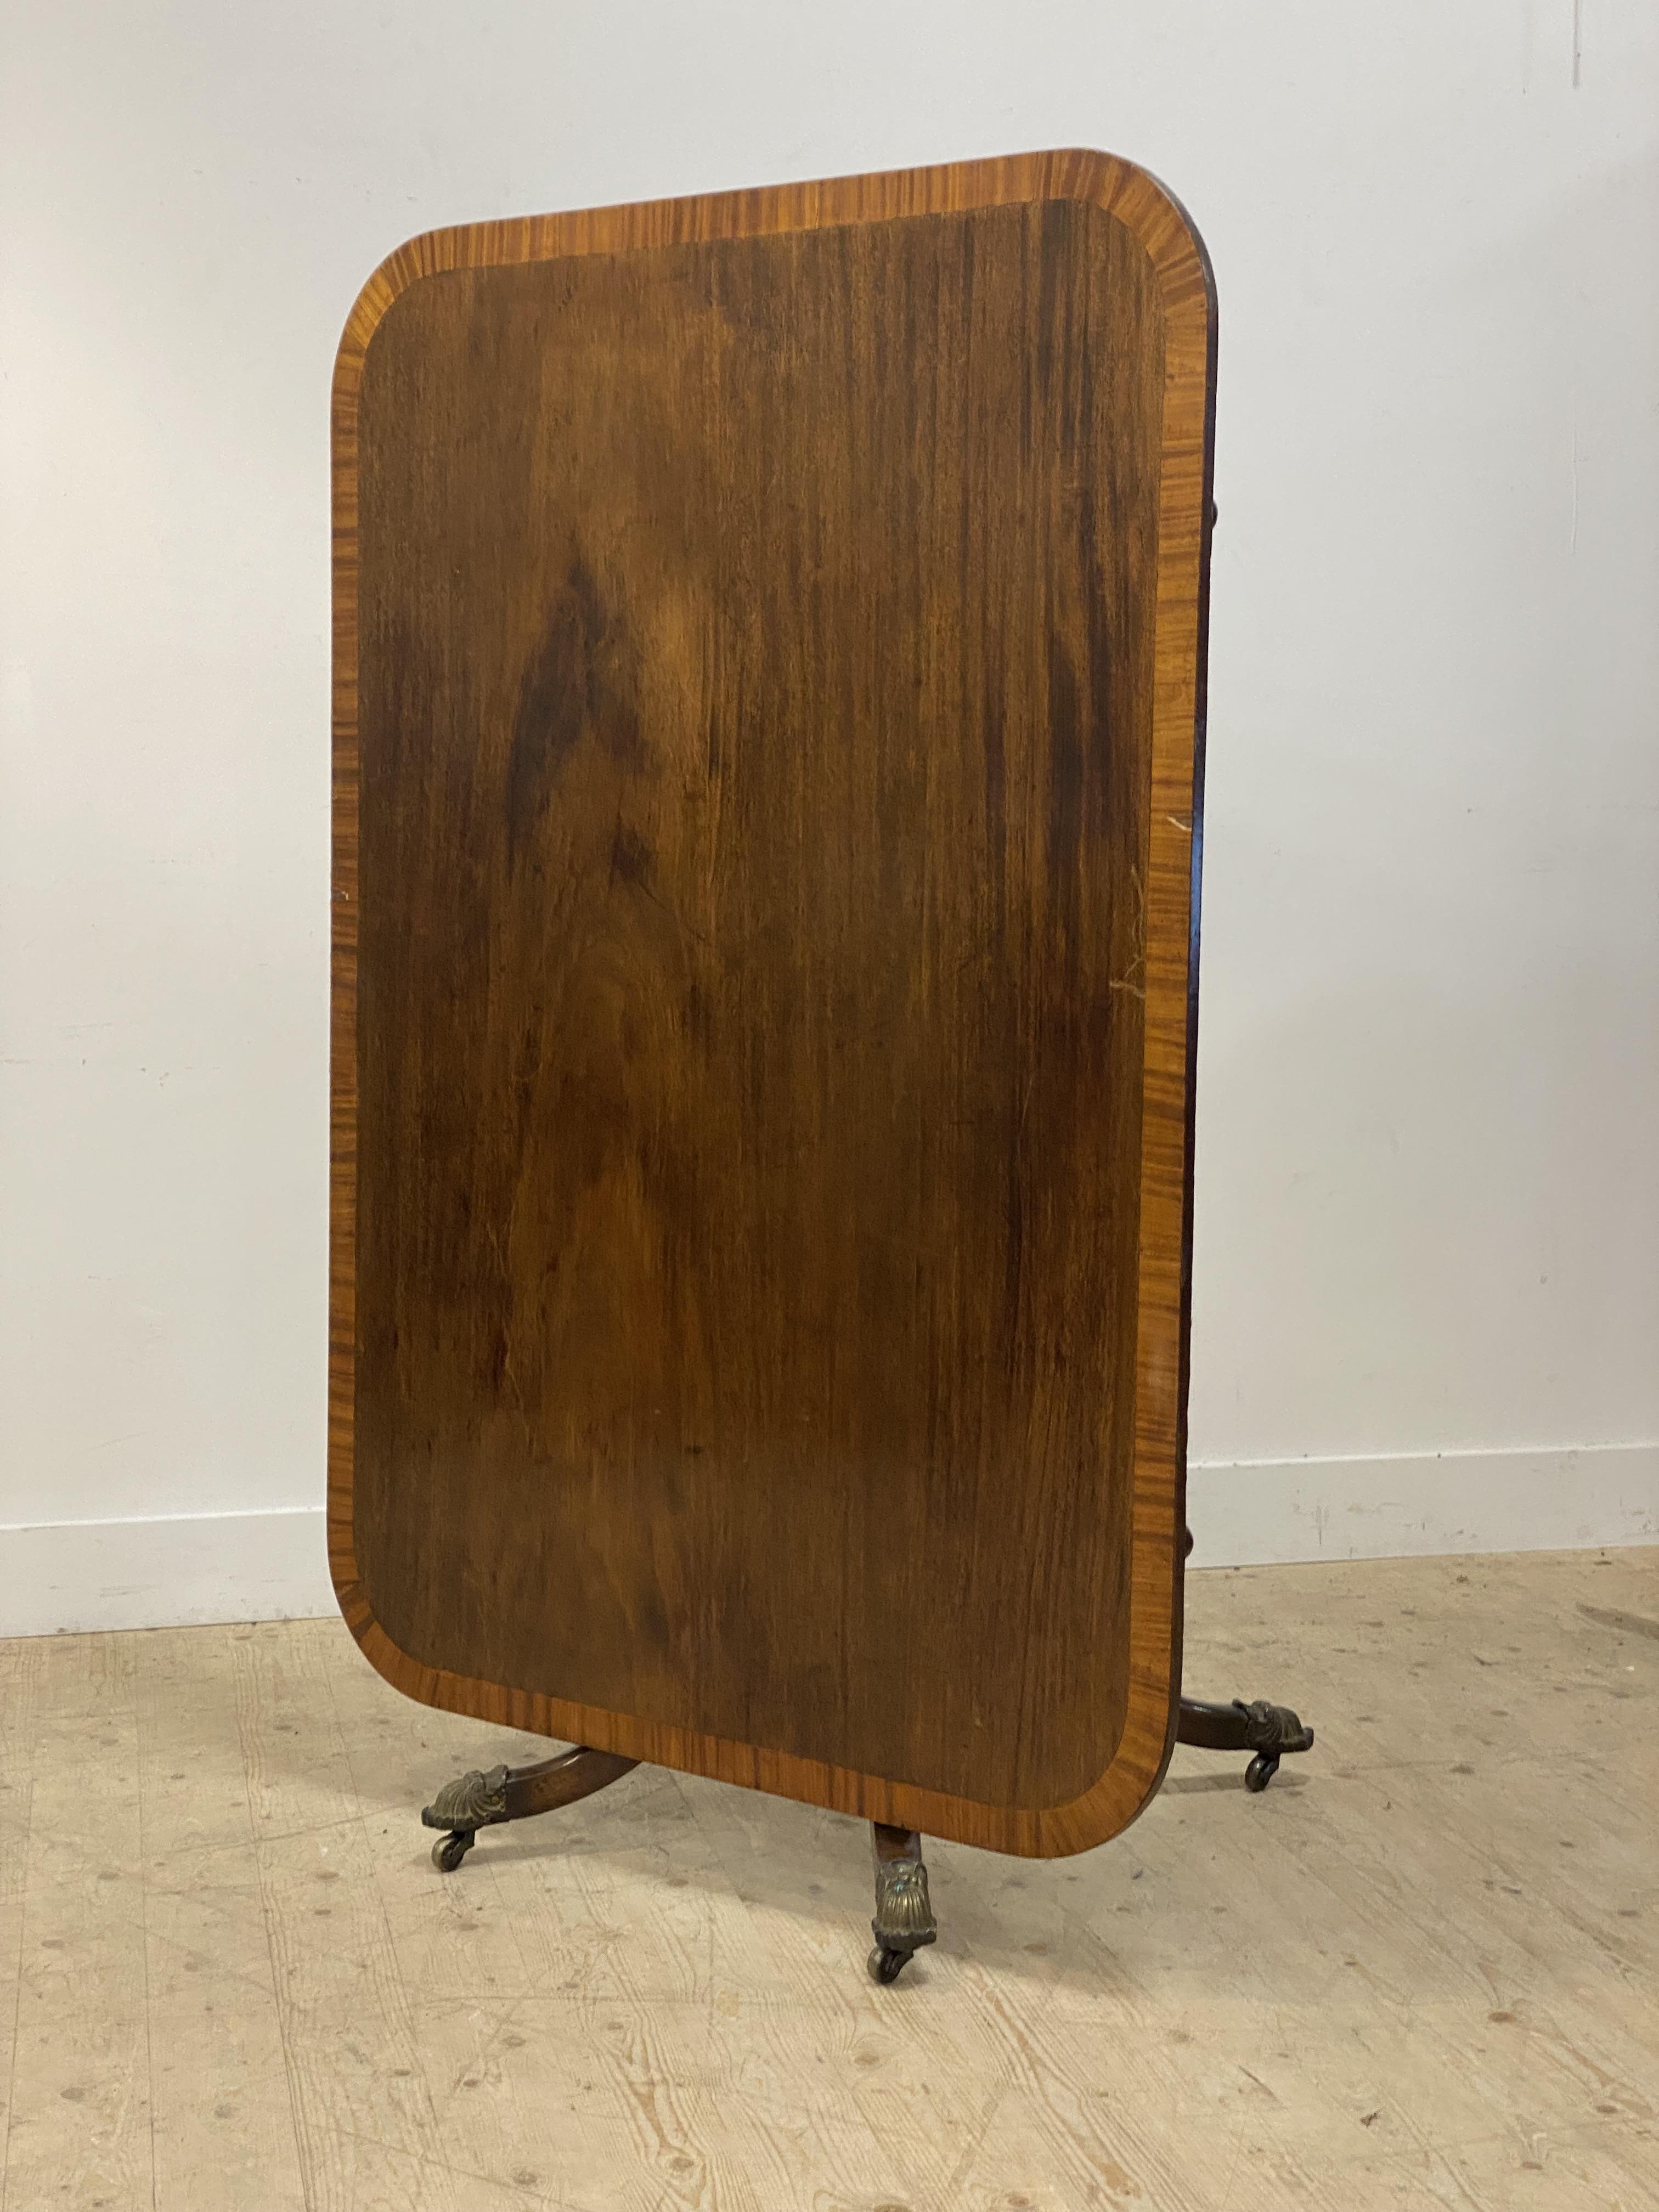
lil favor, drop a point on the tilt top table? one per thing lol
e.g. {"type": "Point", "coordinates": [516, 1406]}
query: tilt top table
{"type": "Point", "coordinates": [769, 639]}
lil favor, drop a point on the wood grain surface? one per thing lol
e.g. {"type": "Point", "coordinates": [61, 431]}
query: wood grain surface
{"type": "Point", "coordinates": [768, 668]}
{"type": "Point", "coordinates": [231, 1982]}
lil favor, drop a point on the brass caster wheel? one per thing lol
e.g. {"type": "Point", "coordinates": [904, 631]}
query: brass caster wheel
{"type": "Point", "coordinates": [885, 1965]}
{"type": "Point", "coordinates": [449, 1851]}
{"type": "Point", "coordinates": [1261, 1770]}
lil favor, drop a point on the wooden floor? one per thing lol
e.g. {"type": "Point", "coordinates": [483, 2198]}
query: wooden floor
{"type": "Point", "coordinates": [1422, 1970]}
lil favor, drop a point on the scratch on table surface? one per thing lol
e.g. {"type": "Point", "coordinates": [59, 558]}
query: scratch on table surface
{"type": "Point", "coordinates": [1126, 981]}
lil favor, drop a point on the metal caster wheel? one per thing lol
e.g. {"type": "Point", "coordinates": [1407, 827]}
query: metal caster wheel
{"type": "Point", "coordinates": [887, 1966]}
{"type": "Point", "coordinates": [1261, 1770]}
{"type": "Point", "coordinates": [449, 1851]}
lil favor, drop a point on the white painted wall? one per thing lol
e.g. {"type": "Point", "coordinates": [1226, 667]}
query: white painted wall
{"type": "Point", "coordinates": [1428, 1189]}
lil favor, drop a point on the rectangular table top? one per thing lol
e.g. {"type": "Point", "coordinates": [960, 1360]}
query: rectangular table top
{"type": "Point", "coordinates": [768, 689]}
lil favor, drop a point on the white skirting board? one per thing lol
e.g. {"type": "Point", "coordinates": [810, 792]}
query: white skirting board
{"type": "Point", "coordinates": [164, 1573]}
{"type": "Point", "coordinates": [1558, 1498]}
{"type": "Point", "coordinates": [189, 1568]}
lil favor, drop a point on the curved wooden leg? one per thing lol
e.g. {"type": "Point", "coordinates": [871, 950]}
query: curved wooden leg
{"type": "Point", "coordinates": [1268, 1731]}
{"type": "Point", "coordinates": [480, 1800]}
{"type": "Point", "coordinates": [904, 1916]}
